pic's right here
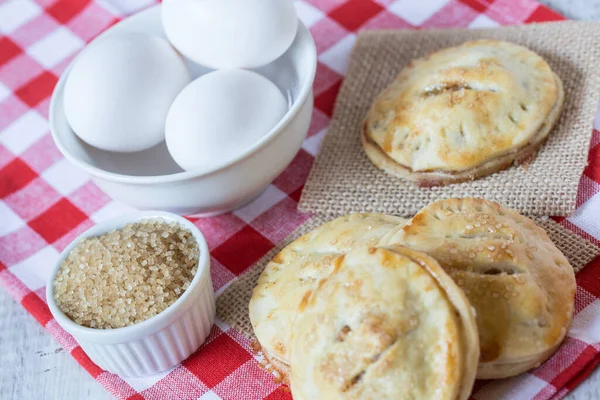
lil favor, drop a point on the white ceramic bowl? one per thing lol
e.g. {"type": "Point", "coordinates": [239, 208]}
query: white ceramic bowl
{"type": "Point", "coordinates": [150, 179]}
{"type": "Point", "coordinates": [157, 343]}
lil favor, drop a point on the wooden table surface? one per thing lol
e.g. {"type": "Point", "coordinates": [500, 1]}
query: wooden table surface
{"type": "Point", "coordinates": [33, 365]}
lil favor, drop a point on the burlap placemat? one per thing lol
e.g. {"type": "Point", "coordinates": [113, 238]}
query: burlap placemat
{"type": "Point", "coordinates": [343, 180]}
{"type": "Point", "coordinates": [232, 304]}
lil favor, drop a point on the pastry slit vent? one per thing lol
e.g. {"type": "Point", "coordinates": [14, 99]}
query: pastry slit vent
{"type": "Point", "coordinates": [497, 268]}
{"type": "Point", "coordinates": [513, 119]}
{"type": "Point", "coordinates": [523, 107]}
{"type": "Point", "coordinates": [341, 336]}
{"type": "Point", "coordinates": [498, 271]}
{"type": "Point", "coordinates": [356, 378]}
{"type": "Point", "coordinates": [435, 90]}
{"type": "Point", "coordinates": [418, 145]}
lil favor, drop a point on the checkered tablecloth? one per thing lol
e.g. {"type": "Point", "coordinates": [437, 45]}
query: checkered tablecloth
{"type": "Point", "coordinates": [45, 201]}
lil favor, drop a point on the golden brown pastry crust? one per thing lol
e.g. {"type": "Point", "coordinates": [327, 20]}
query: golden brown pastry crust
{"type": "Point", "coordinates": [388, 324]}
{"type": "Point", "coordinates": [297, 269]}
{"type": "Point", "coordinates": [521, 285]}
{"type": "Point", "coordinates": [463, 113]}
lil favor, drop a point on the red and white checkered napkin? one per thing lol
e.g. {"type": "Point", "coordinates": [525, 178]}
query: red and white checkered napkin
{"type": "Point", "coordinates": [45, 201]}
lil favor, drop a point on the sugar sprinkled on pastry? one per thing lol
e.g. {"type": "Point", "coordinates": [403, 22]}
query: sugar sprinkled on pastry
{"type": "Point", "coordinates": [463, 112]}
{"type": "Point", "coordinates": [297, 269]}
{"type": "Point", "coordinates": [388, 324]}
{"type": "Point", "coordinates": [520, 284]}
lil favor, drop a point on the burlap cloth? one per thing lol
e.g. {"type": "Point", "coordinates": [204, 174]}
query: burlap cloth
{"type": "Point", "coordinates": [343, 180]}
{"type": "Point", "coordinates": [232, 303]}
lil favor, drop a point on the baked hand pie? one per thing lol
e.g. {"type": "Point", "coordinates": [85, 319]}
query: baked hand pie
{"type": "Point", "coordinates": [388, 324]}
{"type": "Point", "coordinates": [297, 269]}
{"type": "Point", "coordinates": [520, 284]}
{"type": "Point", "coordinates": [463, 112]}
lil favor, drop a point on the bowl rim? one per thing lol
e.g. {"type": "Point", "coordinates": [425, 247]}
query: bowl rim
{"type": "Point", "coordinates": [303, 37]}
{"type": "Point", "coordinates": [200, 282]}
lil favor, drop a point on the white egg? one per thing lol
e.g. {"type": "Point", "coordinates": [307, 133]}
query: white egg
{"type": "Point", "coordinates": [230, 33]}
{"type": "Point", "coordinates": [217, 117]}
{"type": "Point", "coordinates": [120, 89]}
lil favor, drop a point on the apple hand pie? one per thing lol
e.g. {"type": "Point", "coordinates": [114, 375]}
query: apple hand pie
{"type": "Point", "coordinates": [463, 113]}
{"type": "Point", "coordinates": [299, 268]}
{"type": "Point", "coordinates": [388, 324]}
{"type": "Point", "coordinates": [520, 284]}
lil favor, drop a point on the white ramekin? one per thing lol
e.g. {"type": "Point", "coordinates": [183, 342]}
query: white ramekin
{"type": "Point", "coordinates": [160, 342]}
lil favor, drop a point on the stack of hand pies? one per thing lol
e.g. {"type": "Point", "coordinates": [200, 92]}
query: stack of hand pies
{"type": "Point", "coordinates": [369, 306]}
{"type": "Point", "coordinates": [463, 113]}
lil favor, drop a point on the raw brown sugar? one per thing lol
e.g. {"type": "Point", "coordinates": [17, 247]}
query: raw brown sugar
{"type": "Point", "coordinates": [126, 276]}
